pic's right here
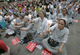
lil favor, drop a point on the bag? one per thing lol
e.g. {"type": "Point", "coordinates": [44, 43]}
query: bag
{"type": "Point", "coordinates": [7, 35]}
{"type": "Point", "coordinates": [27, 38]}
{"type": "Point", "coordinates": [53, 43]}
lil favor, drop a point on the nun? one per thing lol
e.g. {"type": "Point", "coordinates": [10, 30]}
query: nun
{"type": "Point", "coordinates": [56, 42]}
{"type": "Point", "coordinates": [19, 24]}
{"type": "Point", "coordinates": [13, 26]}
{"type": "Point", "coordinates": [9, 17]}
{"type": "Point", "coordinates": [27, 28]}
{"type": "Point", "coordinates": [42, 26]}
{"type": "Point", "coordinates": [65, 15]}
{"type": "Point", "coordinates": [70, 12]}
{"type": "Point", "coordinates": [16, 11]}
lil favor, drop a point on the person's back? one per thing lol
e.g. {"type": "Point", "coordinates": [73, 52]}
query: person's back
{"type": "Point", "coordinates": [3, 47]}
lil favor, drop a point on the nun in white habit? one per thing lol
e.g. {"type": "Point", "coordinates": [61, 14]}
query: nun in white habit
{"type": "Point", "coordinates": [42, 26]}
{"type": "Point", "coordinates": [27, 28]}
{"type": "Point", "coordinates": [60, 36]}
{"type": "Point", "coordinates": [14, 23]}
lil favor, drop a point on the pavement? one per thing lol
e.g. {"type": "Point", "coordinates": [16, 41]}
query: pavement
{"type": "Point", "coordinates": [72, 45]}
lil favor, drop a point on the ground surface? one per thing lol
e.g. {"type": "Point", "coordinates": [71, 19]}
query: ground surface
{"type": "Point", "coordinates": [73, 43]}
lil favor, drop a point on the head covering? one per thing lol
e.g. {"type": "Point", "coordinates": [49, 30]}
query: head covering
{"type": "Point", "coordinates": [66, 21]}
{"type": "Point", "coordinates": [27, 18]}
{"type": "Point", "coordinates": [43, 12]}
{"type": "Point", "coordinates": [16, 9]}
{"type": "Point", "coordinates": [10, 12]}
{"type": "Point", "coordinates": [70, 5]}
{"type": "Point", "coordinates": [22, 14]}
{"type": "Point", "coordinates": [15, 14]}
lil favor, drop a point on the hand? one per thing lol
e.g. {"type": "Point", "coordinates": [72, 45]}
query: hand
{"type": "Point", "coordinates": [58, 18]}
{"type": "Point", "coordinates": [49, 24]}
{"type": "Point", "coordinates": [47, 31]}
{"type": "Point", "coordinates": [54, 20]}
{"type": "Point", "coordinates": [7, 18]}
{"type": "Point", "coordinates": [21, 29]}
{"type": "Point", "coordinates": [24, 29]}
{"type": "Point", "coordinates": [41, 35]}
{"type": "Point", "coordinates": [31, 21]}
{"type": "Point", "coordinates": [15, 27]}
{"type": "Point", "coordinates": [16, 24]}
{"type": "Point", "coordinates": [60, 50]}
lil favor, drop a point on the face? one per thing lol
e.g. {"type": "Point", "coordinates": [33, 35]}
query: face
{"type": "Point", "coordinates": [33, 8]}
{"type": "Point", "coordinates": [69, 7]}
{"type": "Point", "coordinates": [79, 11]}
{"type": "Point", "coordinates": [14, 16]}
{"type": "Point", "coordinates": [51, 10]}
{"type": "Point", "coordinates": [25, 20]}
{"type": "Point", "coordinates": [61, 24]}
{"type": "Point", "coordinates": [64, 11]}
{"type": "Point", "coordinates": [15, 10]}
{"type": "Point", "coordinates": [20, 16]}
{"type": "Point", "coordinates": [58, 10]}
{"type": "Point", "coordinates": [41, 14]}
{"type": "Point", "coordinates": [8, 13]}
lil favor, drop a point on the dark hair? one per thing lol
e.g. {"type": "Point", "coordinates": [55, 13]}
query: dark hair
{"type": "Point", "coordinates": [50, 3]}
{"type": "Point", "coordinates": [78, 9]}
{"type": "Point", "coordinates": [15, 14]}
{"type": "Point", "coordinates": [2, 51]}
{"type": "Point", "coordinates": [21, 14]}
{"type": "Point", "coordinates": [33, 6]}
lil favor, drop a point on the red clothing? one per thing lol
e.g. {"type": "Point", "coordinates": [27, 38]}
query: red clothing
{"type": "Point", "coordinates": [3, 46]}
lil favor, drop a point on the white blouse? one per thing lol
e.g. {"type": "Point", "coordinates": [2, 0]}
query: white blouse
{"type": "Point", "coordinates": [59, 35]}
{"type": "Point", "coordinates": [42, 25]}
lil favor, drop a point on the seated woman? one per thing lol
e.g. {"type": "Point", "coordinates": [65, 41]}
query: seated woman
{"type": "Point", "coordinates": [56, 43]}
{"type": "Point", "coordinates": [4, 50]}
{"type": "Point", "coordinates": [15, 25]}
{"type": "Point", "coordinates": [19, 24]}
{"type": "Point", "coordinates": [27, 28]}
{"type": "Point", "coordinates": [42, 26]}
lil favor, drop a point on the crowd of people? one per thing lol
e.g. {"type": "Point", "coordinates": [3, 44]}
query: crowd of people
{"type": "Point", "coordinates": [53, 19]}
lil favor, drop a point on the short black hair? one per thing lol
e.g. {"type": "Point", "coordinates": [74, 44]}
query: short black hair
{"type": "Point", "coordinates": [78, 9]}
{"type": "Point", "coordinates": [33, 6]}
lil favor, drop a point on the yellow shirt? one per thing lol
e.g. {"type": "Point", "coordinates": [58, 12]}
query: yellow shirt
{"type": "Point", "coordinates": [37, 9]}
{"type": "Point", "coordinates": [20, 9]}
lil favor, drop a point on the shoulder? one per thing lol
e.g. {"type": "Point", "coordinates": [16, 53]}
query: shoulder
{"type": "Point", "coordinates": [66, 30]}
{"type": "Point", "coordinates": [45, 18]}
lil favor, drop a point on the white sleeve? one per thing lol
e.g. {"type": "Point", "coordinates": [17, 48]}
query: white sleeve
{"type": "Point", "coordinates": [36, 20]}
{"type": "Point", "coordinates": [65, 38]}
{"type": "Point", "coordinates": [35, 14]}
{"type": "Point", "coordinates": [53, 27]}
{"type": "Point", "coordinates": [30, 26]}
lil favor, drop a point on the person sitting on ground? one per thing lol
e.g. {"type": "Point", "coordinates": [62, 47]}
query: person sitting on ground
{"type": "Point", "coordinates": [27, 27]}
{"type": "Point", "coordinates": [56, 42]}
{"type": "Point", "coordinates": [42, 26]}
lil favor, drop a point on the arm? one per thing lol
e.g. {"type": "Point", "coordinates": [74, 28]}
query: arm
{"type": "Point", "coordinates": [51, 29]}
{"type": "Point", "coordinates": [34, 20]}
{"type": "Point", "coordinates": [31, 25]}
{"type": "Point", "coordinates": [64, 40]}
{"type": "Point", "coordinates": [60, 48]}
{"type": "Point", "coordinates": [18, 24]}
{"type": "Point", "coordinates": [27, 28]}
{"type": "Point", "coordinates": [24, 29]}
